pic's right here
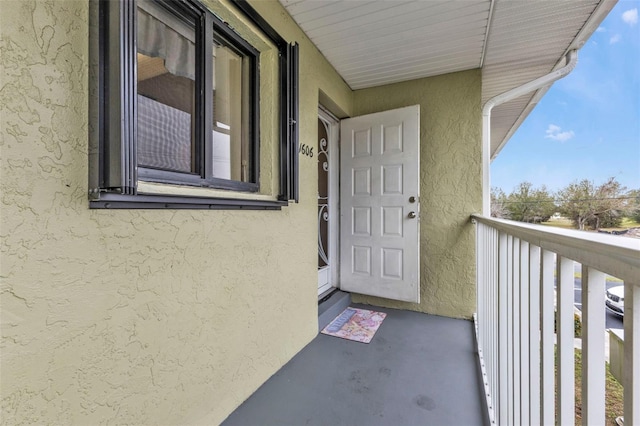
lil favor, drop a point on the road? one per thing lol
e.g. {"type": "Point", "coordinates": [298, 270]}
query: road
{"type": "Point", "coordinates": [612, 321]}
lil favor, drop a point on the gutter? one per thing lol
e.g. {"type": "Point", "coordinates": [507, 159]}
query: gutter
{"type": "Point", "coordinates": [545, 80]}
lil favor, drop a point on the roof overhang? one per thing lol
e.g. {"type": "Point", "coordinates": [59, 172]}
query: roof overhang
{"type": "Point", "coordinates": [373, 43]}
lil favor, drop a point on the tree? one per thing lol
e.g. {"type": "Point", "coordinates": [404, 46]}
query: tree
{"type": "Point", "coordinates": [588, 205]}
{"type": "Point", "coordinates": [498, 204]}
{"type": "Point", "coordinates": [634, 204]}
{"type": "Point", "coordinates": [529, 204]}
{"type": "Point", "coordinates": [574, 202]}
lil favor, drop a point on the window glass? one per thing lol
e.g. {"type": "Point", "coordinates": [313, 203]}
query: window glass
{"type": "Point", "coordinates": [179, 105]}
{"type": "Point", "coordinates": [166, 89]}
{"type": "Point", "coordinates": [231, 112]}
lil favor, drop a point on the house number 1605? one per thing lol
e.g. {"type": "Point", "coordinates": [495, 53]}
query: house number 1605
{"type": "Point", "coordinates": [306, 150]}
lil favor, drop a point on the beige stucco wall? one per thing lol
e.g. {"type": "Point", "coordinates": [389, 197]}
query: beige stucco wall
{"type": "Point", "coordinates": [450, 185]}
{"type": "Point", "coordinates": [135, 316]}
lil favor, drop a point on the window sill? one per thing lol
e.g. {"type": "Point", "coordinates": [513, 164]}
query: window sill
{"type": "Point", "coordinates": [105, 200]}
{"type": "Point", "coordinates": [164, 189]}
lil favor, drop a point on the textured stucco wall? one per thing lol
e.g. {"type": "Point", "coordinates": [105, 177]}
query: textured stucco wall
{"type": "Point", "coordinates": [135, 316]}
{"type": "Point", "coordinates": [450, 185]}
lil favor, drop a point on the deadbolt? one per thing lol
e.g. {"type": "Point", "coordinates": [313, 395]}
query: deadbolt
{"type": "Point", "coordinates": [412, 215]}
{"type": "Point", "coordinates": [412, 199]}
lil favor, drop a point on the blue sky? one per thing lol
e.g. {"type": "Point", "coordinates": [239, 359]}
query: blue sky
{"type": "Point", "coordinates": [587, 126]}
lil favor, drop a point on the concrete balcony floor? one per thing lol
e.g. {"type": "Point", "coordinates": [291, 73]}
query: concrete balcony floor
{"type": "Point", "coordinates": [418, 370]}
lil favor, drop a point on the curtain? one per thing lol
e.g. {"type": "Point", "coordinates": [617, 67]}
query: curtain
{"type": "Point", "coordinates": [157, 39]}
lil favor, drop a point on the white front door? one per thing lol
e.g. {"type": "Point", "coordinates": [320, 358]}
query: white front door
{"type": "Point", "coordinates": [379, 204]}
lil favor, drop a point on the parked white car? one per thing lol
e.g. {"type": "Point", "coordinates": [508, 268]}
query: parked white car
{"type": "Point", "coordinates": [615, 300]}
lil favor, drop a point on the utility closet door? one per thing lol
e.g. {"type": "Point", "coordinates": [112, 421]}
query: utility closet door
{"type": "Point", "coordinates": [379, 205]}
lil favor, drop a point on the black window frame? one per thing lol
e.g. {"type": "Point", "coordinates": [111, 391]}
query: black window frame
{"type": "Point", "coordinates": [289, 103]}
{"type": "Point", "coordinates": [114, 172]}
{"type": "Point", "coordinates": [210, 27]}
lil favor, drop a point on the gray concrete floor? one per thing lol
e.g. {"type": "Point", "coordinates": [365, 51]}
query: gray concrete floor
{"type": "Point", "coordinates": [418, 370]}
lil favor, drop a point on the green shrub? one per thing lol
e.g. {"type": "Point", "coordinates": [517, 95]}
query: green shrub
{"type": "Point", "coordinates": [577, 325]}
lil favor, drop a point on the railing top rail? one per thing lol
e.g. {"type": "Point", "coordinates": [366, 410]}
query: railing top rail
{"type": "Point", "coordinates": [614, 255]}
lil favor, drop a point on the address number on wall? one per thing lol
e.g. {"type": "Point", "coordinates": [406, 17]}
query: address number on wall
{"type": "Point", "coordinates": [306, 150]}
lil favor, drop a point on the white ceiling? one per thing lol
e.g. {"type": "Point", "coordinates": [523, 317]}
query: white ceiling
{"type": "Point", "coordinates": [376, 42]}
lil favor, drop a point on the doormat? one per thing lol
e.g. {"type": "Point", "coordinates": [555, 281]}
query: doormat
{"type": "Point", "coordinates": [355, 324]}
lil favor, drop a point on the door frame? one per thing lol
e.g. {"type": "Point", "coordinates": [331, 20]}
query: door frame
{"type": "Point", "coordinates": [333, 133]}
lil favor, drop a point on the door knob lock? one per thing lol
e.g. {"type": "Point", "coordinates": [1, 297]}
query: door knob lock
{"type": "Point", "coordinates": [412, 199]}
{"type": "Point", "coordinates": [412, 215]}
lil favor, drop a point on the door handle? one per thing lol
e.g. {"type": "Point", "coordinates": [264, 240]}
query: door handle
{"type": "Point", "coordinates": [412, 215]}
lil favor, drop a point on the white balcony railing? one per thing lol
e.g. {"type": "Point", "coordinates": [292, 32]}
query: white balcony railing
{"type": "Point", "coordinates": [517, 268]}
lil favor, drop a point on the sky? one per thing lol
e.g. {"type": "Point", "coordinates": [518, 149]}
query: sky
{"type": "Point", "coordinates": [587, 126]}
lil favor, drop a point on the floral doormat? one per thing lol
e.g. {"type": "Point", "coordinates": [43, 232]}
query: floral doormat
{"type": "Point", "coordinates": [355, 324]}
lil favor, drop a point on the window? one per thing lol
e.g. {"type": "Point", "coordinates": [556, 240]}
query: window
{"type": "Point", "coordinates": [178, 104]}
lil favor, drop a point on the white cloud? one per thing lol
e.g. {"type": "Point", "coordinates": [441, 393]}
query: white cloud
{"type": "Point", "coordinates": [615, 39]}
{"type": "Point", "coordinates": [630, 16]}
{"type": "Point", "coordinates": [555, 133]}
{"type": "Point", "coordinates": [601, 30]}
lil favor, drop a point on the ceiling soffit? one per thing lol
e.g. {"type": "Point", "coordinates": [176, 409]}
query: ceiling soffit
{"type": "Point", "coordinates": [371, 43]}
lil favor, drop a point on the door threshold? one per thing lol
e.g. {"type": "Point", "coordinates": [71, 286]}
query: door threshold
{"type": "Point", "coordinates": [327, 294]}
{"type": "Point", "coordinates": [331, 307]}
